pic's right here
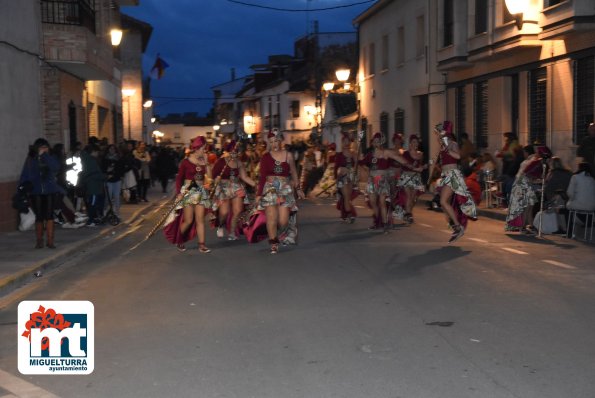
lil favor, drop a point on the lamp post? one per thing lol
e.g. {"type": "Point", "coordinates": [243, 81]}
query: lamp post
{"type": "Point", "coordinates": [127, 93]}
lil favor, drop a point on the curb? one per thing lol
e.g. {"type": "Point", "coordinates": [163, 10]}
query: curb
{"type": "Point", "coordinates": [7, 284]}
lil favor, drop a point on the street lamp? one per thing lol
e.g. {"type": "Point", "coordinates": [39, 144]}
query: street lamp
{"type": "Point", "coordinates": [518, 8]}
{"type": "Point", "coordinates": [116, 36]}
{"type": "Point", "coordinates": [342, 75]}
{"type": "Point", "coordinates": [328, 86]}
{"type": "Point", "coordinates": [127, 93]}
{"type": "Point", "coordinates": [148, 103]}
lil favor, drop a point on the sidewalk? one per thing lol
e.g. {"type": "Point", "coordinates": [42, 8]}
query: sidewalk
{"type": "Point", "coordinates": [20, 261]}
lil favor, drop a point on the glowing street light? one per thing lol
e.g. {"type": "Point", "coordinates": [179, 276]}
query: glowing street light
{"type": "Point", "coordinates": [116, 36]}
{"type": "Point", "coordinates": [328, 86]}
{"type": "Point", "coordinates": [518, 6]}
{"type": "Point", "coordinates": [342, 75]}
{"type": "Point", "coordinates": [148, 103]}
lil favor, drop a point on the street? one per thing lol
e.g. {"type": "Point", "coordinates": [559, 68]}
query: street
{"type": "Point", "coordinates": [346, 313]}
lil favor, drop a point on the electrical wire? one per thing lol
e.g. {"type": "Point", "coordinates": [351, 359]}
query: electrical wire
{"type": "Point", "coordinates": [300, 9]}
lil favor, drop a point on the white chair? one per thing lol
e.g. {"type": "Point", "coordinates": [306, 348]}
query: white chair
{"type": "Point", "coordinates": [572, 215]}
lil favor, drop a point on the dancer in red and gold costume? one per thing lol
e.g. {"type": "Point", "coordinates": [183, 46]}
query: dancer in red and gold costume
{"type": "Point", "coordinates": [455, 199]}
{"type": "Point", "coordinates": [277, 185]}
{"type": "Point", "coordinates": [193, 198]}
{"type": "Point", "coordinates": [377, 161]}
{"type": "Point", "coordinates": [398, 198]}
{"type": "Point", "coordinates": [411, 177]}
{"type": "Point", "coordinates": [229, 172]}
{"type": "Point", "coordinates": [345, 162]}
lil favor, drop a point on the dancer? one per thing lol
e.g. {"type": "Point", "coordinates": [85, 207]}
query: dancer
{"type": "Point", "coordinates": [345, 177]}
{"type": "Point", "coordinates": [229, 171]}
{"type": "Point", "coordinates": [523, 195]}
{"type": "Point", "coordinates": [193, 198]}
{"type": "Point", "coordinates": [410, 178]}
{"type": "Point", "coordinates": [377, 161]}
{"type": "Point", "coordinates": [398, 198]}
{"type": "Point", "coordinates": [277, 183]}
{"type": "Point", "coordinates": [455, 199]}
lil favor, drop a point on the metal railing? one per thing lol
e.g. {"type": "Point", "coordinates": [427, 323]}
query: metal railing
{"type": "Point", "coordinates": [69, 12]}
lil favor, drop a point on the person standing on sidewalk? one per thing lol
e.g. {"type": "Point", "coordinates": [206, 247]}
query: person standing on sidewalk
{"type": "Point", "coordinates": [113, 167]}
{"type": "Point", "coordinates": [40, 171]}
{"type": "Point", "coordinates": [144, 173]}
{"type": "Point", "coordinates": [92, 180]}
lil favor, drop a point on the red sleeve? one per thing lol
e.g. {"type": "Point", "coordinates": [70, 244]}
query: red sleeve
{"type": "Point", "coordinates": [218, 167]}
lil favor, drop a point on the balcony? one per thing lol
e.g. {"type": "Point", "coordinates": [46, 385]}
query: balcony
{"type": "Point", "coordinates": [70, 41]}
{"type": "Point", "coordinates": [566, 18]}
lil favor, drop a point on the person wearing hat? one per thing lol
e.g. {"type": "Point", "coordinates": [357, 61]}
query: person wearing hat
{"type": "Point", "coordinates": [277, 185]}
{"type": "Point", "coordinates": [411, 178]}
{"type": "Point", "coordinates": [192, 197]}
{"type": "Point", "coordinates": [344, 169]}
{"type": "Point", "coordinates": [378, 189]}
{"type": "Point", "coordinates": [455, 198]}
{"type": "Point", "coordinates": [229, 172]}
{"type": "Point", "coordinates": [39, 173]}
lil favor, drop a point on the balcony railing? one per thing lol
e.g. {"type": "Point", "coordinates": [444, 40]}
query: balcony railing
{"type": "Point", "coordinates": [69, 12]}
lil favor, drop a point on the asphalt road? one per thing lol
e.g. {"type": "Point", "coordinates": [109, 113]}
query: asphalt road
{"type": "Point", "coordinates": [346, 313]}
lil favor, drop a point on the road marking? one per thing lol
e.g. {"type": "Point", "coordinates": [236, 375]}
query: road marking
{"type": "Point", "coordinates": [479, 240]}
{"type": "Point", "coordinates": [21, 388]}
{"type": "Point", "coordinates": [426, 225]}
{"type": "Point", "coordinates": [508, 249]}
{"type": "Point", "coordinates": [559, 264]}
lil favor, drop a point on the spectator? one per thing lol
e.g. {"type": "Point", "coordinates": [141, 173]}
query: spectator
{"type": "Point", "coordinates": [512, 156]}
{"type": "Point", "coordinates": [467, 150]}
{"type": "Point", "coordinates": [165, 167]}
{"type": "Point", "coordinates": [40, 171]}
{"type": "Point", "coordinates": [113, 167]}
{"type": "Point", "coordinates": [581, 190]}
{"type": "Point", "coordinates": [92, 180]}
{"type": "Point", "coordinates": [523, 196]}
{"type": "Point", "coordinates": [472, 184]}
{"type": "Point", "coordinates": [144, 172]}
{"type": "Point", "coordinates": [557, 179]}
{"type": "Point", "coordinates": [131, 173]}
{"type": "Point", "coordinates": [586, 149]}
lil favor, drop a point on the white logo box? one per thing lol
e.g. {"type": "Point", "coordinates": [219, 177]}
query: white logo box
{"type": "Point", "coordinates": [76, 356]}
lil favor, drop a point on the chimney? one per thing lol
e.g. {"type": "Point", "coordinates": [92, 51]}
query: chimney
{"type": "Point", "coordinates": [233, 73]}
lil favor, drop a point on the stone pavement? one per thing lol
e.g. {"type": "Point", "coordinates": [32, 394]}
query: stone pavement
{"type": "Point", "coordinates": [20, 261]}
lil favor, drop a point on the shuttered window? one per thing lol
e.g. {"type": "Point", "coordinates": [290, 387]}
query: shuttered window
{"type": "Point", "coordinates": [448, 23]}
{"type": "Point", "coordinates": [399, 121]}
{"type": "Point", "coordinates": [584, 93]}
{"type": "Point", "coordinates": [460, 114]}
{"type": "Point", "coordinates": [537, 105]}
{"type": "Point", "coordinates": [481, 114]}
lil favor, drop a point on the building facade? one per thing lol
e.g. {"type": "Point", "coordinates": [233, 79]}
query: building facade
{"type": "Point", "coordinates": [485, 69]}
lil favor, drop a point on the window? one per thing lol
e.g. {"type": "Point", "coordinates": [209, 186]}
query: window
{"type": "Point", "coordinates": [514, 104]}
{"type": "Point", "coordinates": [420, 40]}
{"type": "Point", "coordinates": [399, 121]}
{"type": "Point", "coordinates": [481, 114]}
{"type": "Point", "coordinates": [460, 111]}
{"type": "Point", "coordinates": [584, 96]}
{"type": "Point", "coordinates": [384, 128]}
{"type": "Point", "coordinates": [481, 16]}
{"type": "Point", "coordinates": [385, 52]}
{"type": "Point", "coordinates": [295, 109]}
{"type": "Point", "coordinates": [537, 105]}
{"type": "Point", "coordinates": [401, 45]}
{"type": "Point", "coordinates": [372, 60]}
{"type": "Point", "coordinates": [448, 23]}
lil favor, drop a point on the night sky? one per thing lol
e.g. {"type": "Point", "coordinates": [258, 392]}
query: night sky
{"type": "Point", "coordinates": [202, 40]}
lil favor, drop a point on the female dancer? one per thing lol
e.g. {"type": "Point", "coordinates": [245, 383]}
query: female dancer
{"type": "Point", "coordinates": [193, 198]}
{"type": "Point", "coordinates": [398, 198]}
{"type": "Point", "coordinates": [277, 183]}
{"type": "Point", "coordinates": [452, 182]}
{"type": "Point", "coordinates": [411, 179]}
{"type": "Point", "coordinates": [345, 176]}
{"type": "Point", "coordinates": [378, 188]}
{"type": "Point", "coordinates": [522, 195]}
{"type": "Point", "coordinates": [229, 170]}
